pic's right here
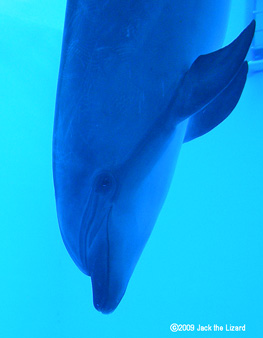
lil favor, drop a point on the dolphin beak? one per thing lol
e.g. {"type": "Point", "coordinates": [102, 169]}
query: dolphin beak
{"type": "Point", "coordinates": [107, 288]}
{"type": "Point", "coordinates": [95, 253]}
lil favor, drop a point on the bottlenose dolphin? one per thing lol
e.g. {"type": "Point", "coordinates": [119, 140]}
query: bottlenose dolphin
{"type": "Point", "coordinates": [137, 79]}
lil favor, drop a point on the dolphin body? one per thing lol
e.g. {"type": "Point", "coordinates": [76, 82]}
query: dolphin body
{"type": "Point", "coordinates": [137, 79]}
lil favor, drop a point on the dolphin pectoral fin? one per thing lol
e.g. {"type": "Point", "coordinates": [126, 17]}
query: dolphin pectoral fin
{"type": "Point", "coordinates": [219, 109]}
{"type": "Point", "coordinates": [210, 75]}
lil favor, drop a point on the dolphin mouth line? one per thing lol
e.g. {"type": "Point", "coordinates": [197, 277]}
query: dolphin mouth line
{"type": "Point", "coordinates": [101, 305]}
{"type": "Point", "coordinates": [89, 229]}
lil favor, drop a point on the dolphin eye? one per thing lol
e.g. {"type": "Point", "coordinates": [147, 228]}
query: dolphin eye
{"type": "Point", "coordinates": [105, 183]}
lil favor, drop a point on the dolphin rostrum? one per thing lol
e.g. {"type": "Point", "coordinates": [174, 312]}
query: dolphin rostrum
{"type": "Point", "coordinates": [137, 80]}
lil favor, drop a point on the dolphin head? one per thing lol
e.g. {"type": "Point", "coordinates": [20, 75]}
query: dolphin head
{"type": "Point", "coordinates": [100, 228]}
{"type": "Point", "coordinates": [106, 216]}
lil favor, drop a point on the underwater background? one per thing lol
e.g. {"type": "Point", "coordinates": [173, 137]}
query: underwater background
{"type": "Point", "coordinates": [203, 263]}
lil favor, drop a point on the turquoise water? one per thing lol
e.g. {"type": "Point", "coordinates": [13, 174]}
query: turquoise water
{"type": "Point", "coordinates": [203, 263]}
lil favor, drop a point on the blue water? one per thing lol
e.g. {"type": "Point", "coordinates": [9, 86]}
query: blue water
{"type": "Point", "coordinates": [204, 261]}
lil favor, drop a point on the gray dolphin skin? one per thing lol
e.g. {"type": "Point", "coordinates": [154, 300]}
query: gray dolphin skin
{"type": "Point", "coordinates": [137, 79]}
